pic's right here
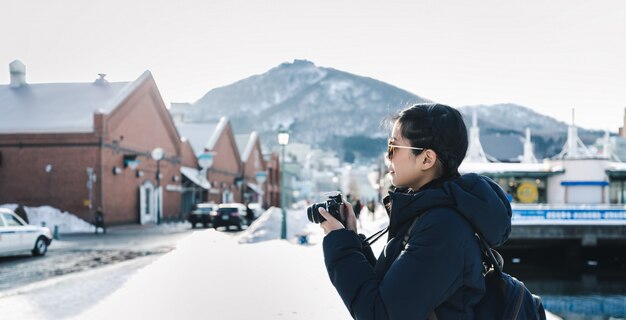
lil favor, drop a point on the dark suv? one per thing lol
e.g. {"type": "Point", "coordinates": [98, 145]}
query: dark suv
{"type": "Point", "coordinates": [202, 214]}
{"type": "Point", "coordinates": [230, 214]}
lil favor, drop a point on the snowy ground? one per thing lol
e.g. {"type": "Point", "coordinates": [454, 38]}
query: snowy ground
{"type": "Point", "coordinates": [210, 275]}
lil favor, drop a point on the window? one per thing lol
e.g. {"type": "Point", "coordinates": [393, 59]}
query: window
{"type": "Point", "coordinates": [617, 191]}
{"type": "Point", "coordinates": [11, 220]}
{"type": "Point", "coordinates": [1, 222]}
{"type": "Point", "coordinates": [148, 200]}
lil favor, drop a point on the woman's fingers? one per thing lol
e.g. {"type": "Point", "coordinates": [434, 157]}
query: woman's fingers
{"type": "Point", "coordinates": [349, 216]}
{"type": "Point", "coordinates": [331, 223]}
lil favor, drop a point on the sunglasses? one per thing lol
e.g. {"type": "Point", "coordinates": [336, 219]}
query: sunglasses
{"type": "Point", "coordinates": [391, 147]}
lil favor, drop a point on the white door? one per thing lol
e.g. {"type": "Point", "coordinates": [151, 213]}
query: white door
{"type": "Point", "coordinates": [227, 197]}
{"type": "Point", "coordinates": [147, 203]}
{"type": "Point", "coordinates": [10, 236]}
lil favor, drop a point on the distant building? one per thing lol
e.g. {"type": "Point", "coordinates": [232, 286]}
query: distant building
{"type": "Point", "coordinates": [217, 138]}
{"type": "Point", "coordinates": [72, 145]}
{"type": "Point", "coordinates": [254, 172]}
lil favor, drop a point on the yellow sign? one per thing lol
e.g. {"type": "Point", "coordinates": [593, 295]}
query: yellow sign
{"type": "Point", "coordinates": [86, 202]}
{"type": "Point", "coordinates": [527, 192]}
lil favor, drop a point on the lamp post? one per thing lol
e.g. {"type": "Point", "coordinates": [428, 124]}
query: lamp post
{"type": "Point", "coordinates": [157, 155]}
{"type": "Point", "coordinates": [283, 140]}
{"type": "Point", "coordinates": [205, 161]}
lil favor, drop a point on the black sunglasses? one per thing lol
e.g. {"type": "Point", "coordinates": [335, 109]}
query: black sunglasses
{"type": "Point", "coordinates": [391, 147]}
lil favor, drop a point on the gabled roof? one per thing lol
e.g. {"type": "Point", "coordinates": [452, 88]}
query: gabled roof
{"type": "Point", "coordinates": [202, 136]}
{"type": "Point", "coordinates": [61, 107]}
{"type": "Point", "coordinates": [245, 144]}
{"type": "Point", "coordinates": [198, 134]}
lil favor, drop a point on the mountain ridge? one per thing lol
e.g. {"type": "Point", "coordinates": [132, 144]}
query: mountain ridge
{"type": "Point", "coordinates": [326, 106]}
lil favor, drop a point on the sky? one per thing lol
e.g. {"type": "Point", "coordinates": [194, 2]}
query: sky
{"type": "Point", "coordinates": [550, 56]}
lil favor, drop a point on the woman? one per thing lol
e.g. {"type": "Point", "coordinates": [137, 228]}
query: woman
{"type": "Point", "coordinates": [431, 266]}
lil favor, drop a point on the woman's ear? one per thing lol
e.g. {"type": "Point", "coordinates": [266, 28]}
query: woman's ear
{"type": "Point", "coordinates": [430, 159]}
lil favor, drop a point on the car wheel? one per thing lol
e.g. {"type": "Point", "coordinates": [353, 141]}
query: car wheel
{"type": "Point", "coordinates": [193, 226]}
{"type": "Point", "coordinates": [41, 246]}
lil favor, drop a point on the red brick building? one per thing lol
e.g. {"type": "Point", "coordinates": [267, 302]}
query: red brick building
{"type": "Point", "coordinates": [52, 135]}
{"type": "Point", "coordinates": [237, 161]}
{"type": "Point", "coordinates": [219, 139]}
{"type": "Point", "coordinates": [253, 165]}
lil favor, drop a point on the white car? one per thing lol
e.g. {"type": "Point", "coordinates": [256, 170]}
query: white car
{"type": "Point", "coordinates": [17, 236]}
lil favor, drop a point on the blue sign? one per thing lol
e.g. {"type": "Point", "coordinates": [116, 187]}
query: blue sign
{"type": "Point", "coordinates": [570, 214]}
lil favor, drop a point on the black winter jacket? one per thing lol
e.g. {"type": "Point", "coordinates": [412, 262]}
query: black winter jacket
{"type": "Point", "coordinates": [439, 269]}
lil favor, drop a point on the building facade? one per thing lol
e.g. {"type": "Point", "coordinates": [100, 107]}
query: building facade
{"type": "Point", "coordinates": [83, 146]}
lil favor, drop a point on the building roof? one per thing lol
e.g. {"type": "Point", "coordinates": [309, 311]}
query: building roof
{"type": "Point", "coordinates": [245, 144]}
{"type": "Point", "coordinates": [503, 168]}
{"type": "Point", "coordinates": [198, 134]}
{"type": "Point", "coordinates": [61, 107]}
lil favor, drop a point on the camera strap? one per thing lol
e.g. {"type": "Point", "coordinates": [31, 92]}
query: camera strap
{"type": "Point", "coordinates": [367, 243]}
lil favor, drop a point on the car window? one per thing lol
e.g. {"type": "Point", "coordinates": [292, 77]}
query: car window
{"type": "Point", "coordinates": [1, 222]}
{"type": "Point", "coordinates": [227, 210]}
{"type": "Point", "coordinates": [11, 220]}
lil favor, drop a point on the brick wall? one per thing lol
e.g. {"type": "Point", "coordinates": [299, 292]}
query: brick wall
{"type": "Point", "coordinates": [138, 125]}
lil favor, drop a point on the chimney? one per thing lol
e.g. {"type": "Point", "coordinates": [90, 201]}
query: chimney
{"type": "Point", "coordinates": [101, 80]}
{"type": "Point", "coordinates": [18, 74]}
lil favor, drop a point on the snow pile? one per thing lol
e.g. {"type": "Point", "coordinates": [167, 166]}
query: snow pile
{"type": "Point", "coordinates": [51, 217]}
{"type": "Point", "coordinates": [268, 226]}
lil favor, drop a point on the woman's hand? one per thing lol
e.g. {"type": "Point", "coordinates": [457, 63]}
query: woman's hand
{"type": "Point", "coordinates": [332, 224]}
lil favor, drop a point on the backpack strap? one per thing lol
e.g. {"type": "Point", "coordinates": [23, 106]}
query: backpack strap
{"type": "Point", "coordinates": [405, 241]}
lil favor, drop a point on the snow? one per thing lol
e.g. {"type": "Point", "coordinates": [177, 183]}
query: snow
{"type": "Point", "coordinates": [60, 107]}
{"type": "Point", "coordinates": [50, 217]}
{"type": "Point", "coordinates": [210, 275]}
{"type": "Point", "coordinates": [198, 134]}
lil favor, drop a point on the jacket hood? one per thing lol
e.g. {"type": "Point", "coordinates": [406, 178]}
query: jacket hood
{"type": "Point", "coordinates": [483, 203]}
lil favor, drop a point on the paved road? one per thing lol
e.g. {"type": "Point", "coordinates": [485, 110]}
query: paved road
{"type": "Point", "coordinates": [80, 252]}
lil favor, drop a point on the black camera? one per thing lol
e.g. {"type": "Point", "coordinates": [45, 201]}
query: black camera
{"type": "Point", "coordinates": [331, 205]}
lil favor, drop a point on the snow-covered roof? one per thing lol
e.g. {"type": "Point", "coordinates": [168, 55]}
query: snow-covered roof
{"type": "Point", "coordinates": [505, 167]}
{"type": "Point", "coordinates": [217, 133]}
{"type": "Point", "coordinates": [198, 134]}
{"type": "Point", "coordinates": [60, 107]}
{"type": "Point", "coordinates": [245, 144]}
{"type": "Point", "coordinates": [196, 176]}
{"type": "Point", "coordinates": [616, 166]}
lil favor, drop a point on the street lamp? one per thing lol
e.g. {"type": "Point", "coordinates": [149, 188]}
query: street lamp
{"type": "Point", "coordinates": [157, 155]}
{"type": "Point", "coordinates": [283, 140]}
{"type": "Point", "coordinates": [205, 161]}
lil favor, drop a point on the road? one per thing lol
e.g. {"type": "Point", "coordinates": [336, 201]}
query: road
{"type": "Point", "coordinates": [80, 252]}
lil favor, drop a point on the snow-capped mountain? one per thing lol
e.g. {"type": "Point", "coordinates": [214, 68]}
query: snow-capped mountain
{"type": "Point", "coordinates": [332, 108]}
{"type": "Point", "coordinates": [315, 103]}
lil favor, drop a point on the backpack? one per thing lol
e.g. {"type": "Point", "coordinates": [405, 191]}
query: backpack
{"type": "Point", "coordinates": [505, 296]}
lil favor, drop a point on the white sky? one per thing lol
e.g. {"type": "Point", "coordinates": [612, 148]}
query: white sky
{"type": "Point", "coordinates": [547, 55]}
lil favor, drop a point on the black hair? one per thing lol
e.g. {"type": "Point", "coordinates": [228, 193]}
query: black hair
{"type": "Point", "coordinates": [437, 127]}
